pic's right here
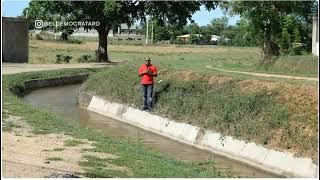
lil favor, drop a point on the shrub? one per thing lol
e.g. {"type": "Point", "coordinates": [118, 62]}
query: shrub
{"type": "Point", "coordinates": [179, 41]}
{"type": "Point", "coordinates": [64, 36]}
{"type": "Point", "coordinates": [75, 41]}
{"type": "Point", "coordinates": [39, 37]}
{"type": "Point", "coordinates": [296, 48]}
{"type": "Point", "coordinates": [284, 41]}
{"type": "Point", "coordinates": [60, 58]}
{"type": "Point", "coordinates": [194, 39]}
{"type": "Point", "coordinates": [86, 58]}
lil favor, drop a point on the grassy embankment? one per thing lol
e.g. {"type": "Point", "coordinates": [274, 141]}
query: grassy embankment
{"type": "Point", "coordinates": [194, 58]}
{"type": "Point", "coordinates": [139, 161]}
{"type": "Point", "coordinates": [277, 115]}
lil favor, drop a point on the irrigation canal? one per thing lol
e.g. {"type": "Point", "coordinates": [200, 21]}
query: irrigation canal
{"type": "Point", "coordinates": [62, 100]}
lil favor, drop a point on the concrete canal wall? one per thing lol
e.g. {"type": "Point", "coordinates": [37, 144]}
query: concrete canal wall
{"type": "Point", "coordinates": [51, 82]}
{"type": "Point", "coordinates": [282, 163]}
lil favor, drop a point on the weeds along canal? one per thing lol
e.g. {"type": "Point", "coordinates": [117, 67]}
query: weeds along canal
{"type": "Point", "coordinates": [62, 100]}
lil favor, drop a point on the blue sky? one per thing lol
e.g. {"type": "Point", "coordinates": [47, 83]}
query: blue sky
{"type": "Point", "coordinates": [204, 17]}
{"type": "Point", "coordinates": [13, 8]}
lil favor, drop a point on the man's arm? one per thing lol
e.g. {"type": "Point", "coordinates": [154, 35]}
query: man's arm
{"type": "Point", "coordinates": [154, 73]}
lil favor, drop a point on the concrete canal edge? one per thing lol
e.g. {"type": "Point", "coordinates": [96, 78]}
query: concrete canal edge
{"type": "Point", "coordinates": [281, 163]}
{"type": "Point", "coordinates": [51, 82]}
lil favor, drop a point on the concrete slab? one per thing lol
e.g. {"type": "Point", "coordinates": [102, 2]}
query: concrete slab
{"type": "Point", "coordinates": [254, 152]}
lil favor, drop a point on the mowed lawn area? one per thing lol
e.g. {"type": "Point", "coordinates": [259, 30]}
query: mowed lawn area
{"type": "Point", "coordinates": [175, 57]}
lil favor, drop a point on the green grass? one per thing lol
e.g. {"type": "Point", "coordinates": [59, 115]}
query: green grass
{"type": "Point", "coordinates": [55, 159]}
{"type": "Point", "coordinates": [194, 58]}
{"type": "Point", "coordinates": [97, 167]}
{"type": "Point", "coordinates": [305, 66]}
{"type": "Point", "coordinates": [257, 116]}
{"type": "Point", "coordinates": [58, 149]}
{"type": "Point", "coordinates": [72, 142]}
{"type": "Point", "coordinates": [9, 126]}
{"type": "Point", "coordinates": [140, 161]}
{"type": "Point", "coordinates": [48, 55]}
{"type": "Point", "coordinates": [251, 116]}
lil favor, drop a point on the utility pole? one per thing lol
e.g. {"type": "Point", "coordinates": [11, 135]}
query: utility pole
{"type": "Point", "coordinates": [55, 32]}
{"type": "Point", "coordinates": [151, 32]}
{"type": "Point", "coordinates": [147, 31]}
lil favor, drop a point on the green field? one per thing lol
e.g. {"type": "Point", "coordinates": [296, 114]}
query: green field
{"type": "Point", "coordinates": [194, 58]}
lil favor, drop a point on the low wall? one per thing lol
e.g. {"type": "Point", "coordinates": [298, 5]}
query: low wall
{"type": "Point", "coordinates": [282, 163]}
{"type": "Point", "coordinates": [57, 81]}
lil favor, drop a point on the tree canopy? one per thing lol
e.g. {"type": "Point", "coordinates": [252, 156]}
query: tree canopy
{"type": "Point", "coordinates": [268, 19]}
{"type": "Point", "coordinates": [112, 13]}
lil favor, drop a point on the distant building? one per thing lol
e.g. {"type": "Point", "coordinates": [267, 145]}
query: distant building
{"type": "Point", "coordinates": [89, 33]}
{"type": "Point", "coordinates": [215, 38]}
{"type": "Point", "coordinates": [185, 38]}
{"type": "Point", "coordinates": [126, 32]}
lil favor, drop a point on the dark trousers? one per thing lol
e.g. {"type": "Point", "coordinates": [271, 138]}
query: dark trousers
{"type": "Point", "coordinates": [147, 90]}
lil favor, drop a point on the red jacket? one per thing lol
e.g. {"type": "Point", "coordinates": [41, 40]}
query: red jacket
{"type": "Point", "coordinates": [147, 78]}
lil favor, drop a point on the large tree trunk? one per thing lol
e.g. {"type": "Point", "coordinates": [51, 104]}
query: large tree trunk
{"type": "Point", "coordinates": [102, 54]}
{"type": "Point", "coordinates": [270, 47]}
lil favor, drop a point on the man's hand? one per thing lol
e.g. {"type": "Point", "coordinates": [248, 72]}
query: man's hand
{"type": "Point", "coordinates": [144, 72]}
{"type": "Point", "coordinates": [152, 74]}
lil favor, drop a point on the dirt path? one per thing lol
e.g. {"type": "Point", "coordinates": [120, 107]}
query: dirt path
{"type": "Point", "coordinates": [28, 155]}
{"type": "Point", "coordinates": [266, 75]}
{"type": "Point", "coordinates": [12, 68]}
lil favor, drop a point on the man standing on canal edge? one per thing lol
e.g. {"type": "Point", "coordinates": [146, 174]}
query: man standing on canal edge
{"type": "Point", "coordinates": [147, 71]}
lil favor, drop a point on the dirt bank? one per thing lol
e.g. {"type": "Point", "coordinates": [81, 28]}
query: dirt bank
{"type": "Point", "coordinates": [31, 155]}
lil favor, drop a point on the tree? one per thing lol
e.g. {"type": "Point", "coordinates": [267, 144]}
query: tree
{"type": "Point", "coordinates": [108, 13]}
{"type": "Point", "coordinates": [160, 32]}
{"type": "Point", "coordinates": [295, 36]}
{"type": "Point", "coordinates": [192, 28]}
{"type": "Point", "coordinates": [205, 31]}
{"type": "Point", "coordinates": [219, 25]}
{"type": "Point", "coordinates": [174, 14]}
{"type": "Point", "coordinates": [266, 18]}
{"type": "Point", "coordinates": [112, 13]}
{"type": "Point", "coordinates": [243, 34]}
{"type": "Point", "coordinates": [284, 41]}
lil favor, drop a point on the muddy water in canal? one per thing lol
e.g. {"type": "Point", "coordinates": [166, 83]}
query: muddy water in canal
{"type": "Point", "coordinates": [62, 100]}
